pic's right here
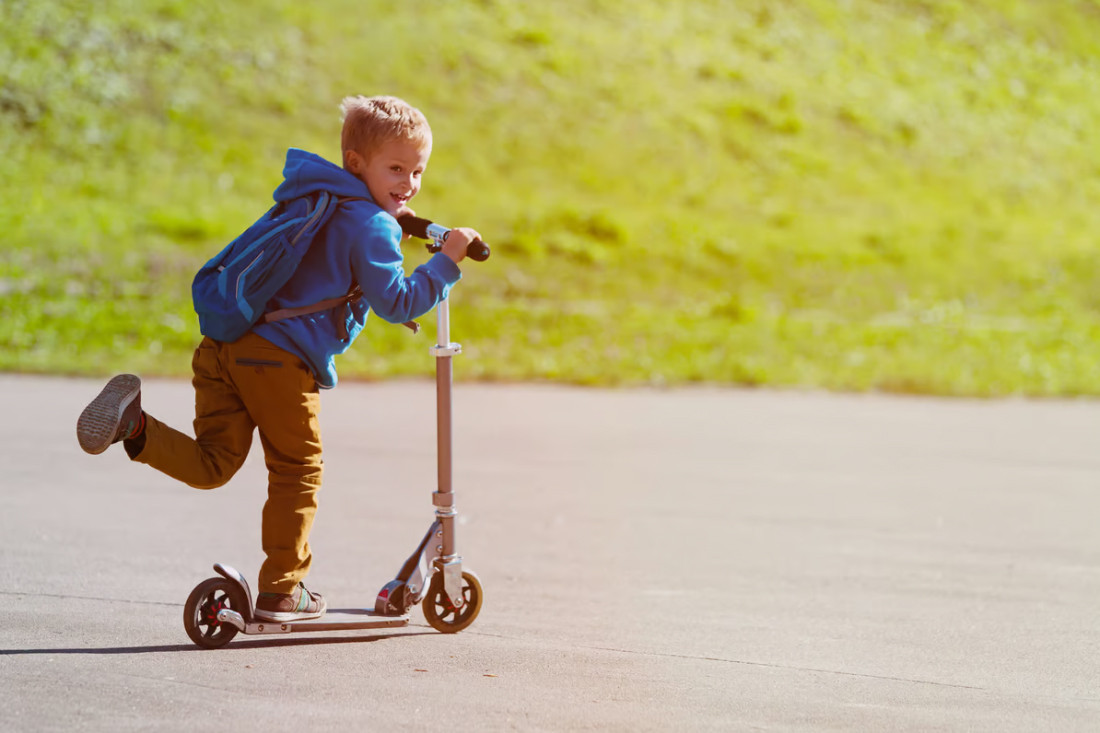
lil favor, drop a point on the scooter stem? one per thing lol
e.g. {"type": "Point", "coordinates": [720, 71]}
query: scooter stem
{"type": "Point", "coordinates": [443, 498]}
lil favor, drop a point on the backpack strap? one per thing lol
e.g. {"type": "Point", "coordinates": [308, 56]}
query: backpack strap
{"type": "Point", "coordinates": [283, 313]}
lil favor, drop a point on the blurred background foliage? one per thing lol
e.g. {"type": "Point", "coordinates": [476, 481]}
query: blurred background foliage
{"type": "Point", "coordinates": [892, 195]}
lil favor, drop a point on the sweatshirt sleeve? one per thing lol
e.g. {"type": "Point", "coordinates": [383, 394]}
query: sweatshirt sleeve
{"type": "Point", "coordinates": [378, 267]}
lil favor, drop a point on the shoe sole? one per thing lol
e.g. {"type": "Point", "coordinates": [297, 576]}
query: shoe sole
{"type": "Point", "coordinates": [98, 424]}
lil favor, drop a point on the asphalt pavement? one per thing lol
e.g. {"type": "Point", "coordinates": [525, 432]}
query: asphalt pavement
{"type": "Point", "coordinates": [696, 559]}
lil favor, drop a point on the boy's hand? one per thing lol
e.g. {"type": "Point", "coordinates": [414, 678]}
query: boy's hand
{"type": "Point", "coordinates": [457, 242]}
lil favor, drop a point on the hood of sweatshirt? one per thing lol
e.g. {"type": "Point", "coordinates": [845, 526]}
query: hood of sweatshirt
{"type": "Point", "coordinates": [305, 173]}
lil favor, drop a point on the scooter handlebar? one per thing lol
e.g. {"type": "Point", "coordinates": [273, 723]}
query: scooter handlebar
{"type": "Point", "coordinates": [437, 234]}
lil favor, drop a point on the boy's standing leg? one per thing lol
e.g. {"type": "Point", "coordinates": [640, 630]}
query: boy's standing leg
{"type": "Point", "coordinates": [282, 397]}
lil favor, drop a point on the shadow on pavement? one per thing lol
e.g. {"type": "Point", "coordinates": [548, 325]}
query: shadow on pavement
{"type": "Point", "coordinates": [236, 644]}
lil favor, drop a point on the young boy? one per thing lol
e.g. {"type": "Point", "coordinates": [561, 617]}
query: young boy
{"type": "Point", "coordinates": [269, 378]}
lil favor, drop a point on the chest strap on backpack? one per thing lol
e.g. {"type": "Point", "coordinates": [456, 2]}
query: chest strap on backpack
{"type": "Point", "coordinates": [341, 327]}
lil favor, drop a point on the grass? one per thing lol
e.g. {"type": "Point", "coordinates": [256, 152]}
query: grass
{"type": "Point", "coordinates": [891, 195]}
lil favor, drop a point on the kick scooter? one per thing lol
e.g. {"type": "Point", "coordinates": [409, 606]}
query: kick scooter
{"type": "Point", "coordinates": [220, 607]}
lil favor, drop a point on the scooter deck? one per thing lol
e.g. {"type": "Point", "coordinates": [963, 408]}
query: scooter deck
{"type": "Point", "coordinates": [338, 619]}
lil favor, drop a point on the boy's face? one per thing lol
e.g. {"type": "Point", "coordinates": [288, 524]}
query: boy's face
{"type": "Point", "coordinates": [392, 173]}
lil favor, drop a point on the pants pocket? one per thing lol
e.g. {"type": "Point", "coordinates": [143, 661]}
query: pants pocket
{"type": "Point", "coordinates": [257, 362]}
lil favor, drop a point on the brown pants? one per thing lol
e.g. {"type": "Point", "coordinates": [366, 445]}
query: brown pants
{"type": "Point", "coordinates": [239, 386]}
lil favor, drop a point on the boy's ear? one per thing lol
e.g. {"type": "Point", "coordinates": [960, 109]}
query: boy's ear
{"type": "Point", "coordinates": [353, 161]}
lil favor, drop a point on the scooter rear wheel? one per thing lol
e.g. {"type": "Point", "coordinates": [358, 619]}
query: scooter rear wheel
{"type": "Point", "coordinates": [200, 613]}
{"type": "Point", "coordinates": [441, 614]}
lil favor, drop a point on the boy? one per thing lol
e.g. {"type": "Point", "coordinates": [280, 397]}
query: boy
{"type": "Point", "coordinates": [270, 377]}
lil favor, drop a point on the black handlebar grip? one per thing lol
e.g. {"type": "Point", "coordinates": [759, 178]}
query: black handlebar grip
{"type": "Point", "coordinates": [477, 250]}
{"type": "Point", "coordinates": [414, 225]}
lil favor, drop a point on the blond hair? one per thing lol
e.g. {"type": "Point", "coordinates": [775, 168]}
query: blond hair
{"type": "Point", "coordinates": [371, 122]}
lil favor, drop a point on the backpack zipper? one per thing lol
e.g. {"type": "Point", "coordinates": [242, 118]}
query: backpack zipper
{"type": "Point", "coordinates": [242, 304]}
{"type": "Point", "coordinates": [322, 205]}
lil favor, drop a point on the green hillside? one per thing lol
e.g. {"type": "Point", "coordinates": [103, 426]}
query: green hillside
{"type": "Point", "coordinates": [892, 195]}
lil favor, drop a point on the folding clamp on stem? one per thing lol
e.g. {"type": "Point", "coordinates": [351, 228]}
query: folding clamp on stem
{"type": "Point", "coordinates": [449, 350]}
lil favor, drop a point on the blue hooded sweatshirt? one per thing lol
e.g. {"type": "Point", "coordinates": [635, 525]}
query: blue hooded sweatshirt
{"type": "Point", "coordinates": [360, 244]}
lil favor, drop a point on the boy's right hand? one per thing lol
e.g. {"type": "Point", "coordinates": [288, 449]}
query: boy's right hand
{"type": "Point", "coordinates": [457, 242]}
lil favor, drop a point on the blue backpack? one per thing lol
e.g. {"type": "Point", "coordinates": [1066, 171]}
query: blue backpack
{"type": "Point", "coordinates": [232, 290]}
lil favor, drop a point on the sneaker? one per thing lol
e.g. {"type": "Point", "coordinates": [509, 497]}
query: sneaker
{"type": "Point", "coordinates": [112, 416]}
{"type": "Point", "coordinates": [296, 606]}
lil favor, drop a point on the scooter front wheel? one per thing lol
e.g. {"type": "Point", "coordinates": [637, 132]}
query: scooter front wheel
{"type": "Point", "coordinates": [200, 613]}
{"type": "Point", "coordinates": [441, 614]}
